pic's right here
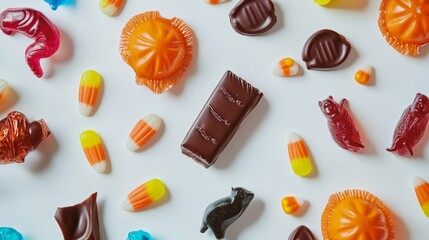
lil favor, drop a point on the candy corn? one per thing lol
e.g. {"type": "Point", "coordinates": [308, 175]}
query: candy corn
{"type": "Point", "coordinates": [322, 2]}
{"type": "Point", "coordinates": [94, 150]}
{"type": "Point", "coordinates": [286, 67]}
{"type": "Point", "coordinates": [291, 204]}
{"type": "Point", "coordinates": [215, 1]}
{"type": "Point", "coordinates": [110, 7]}
{"type": "Point", "coordinates": [422, 191]}
{"type": "Point", "coordinates": [3, 87]}
{"type": "Point", "coordinates": [143, 131]}
{"type": "Point", "coordinates": [88, 91]}
{"type": "Point", "coordinates": [144, 195]}
{"type": "Point", "coordinates": [298, 155]}
{"type": "Point", "coordinates": [363, 75]}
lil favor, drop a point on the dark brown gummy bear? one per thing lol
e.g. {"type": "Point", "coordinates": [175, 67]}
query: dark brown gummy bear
{"type": "Point", "coordinates": [36, 133]}
{"type": "Point", "coordinates": [79, 222]}
{"type": "Point", "coordinates": [325, 50]}
{"type": "Point", "coordinates": [253, 17]}
{"type": "Point", "coordinates": [301, 233]}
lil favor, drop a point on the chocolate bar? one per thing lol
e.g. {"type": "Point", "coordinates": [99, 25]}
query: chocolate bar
{"type": "Point", "coordinates": [229, 104]}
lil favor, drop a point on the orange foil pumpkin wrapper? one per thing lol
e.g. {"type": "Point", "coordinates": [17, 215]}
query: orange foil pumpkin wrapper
{"type": "Point", "coordinates": [357, 214]}
{"type": "Point", "coordinates": [158, 49]}
{"type": "Point", "coordinates": [405, 24]}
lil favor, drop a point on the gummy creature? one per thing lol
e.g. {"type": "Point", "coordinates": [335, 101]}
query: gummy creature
{"type": "Point", "coordinates": [341, 125]}
{"type": "Point", "coordinates": [220, 214]}
{"type": "Point", "coordinates": [55, 3]}
{"type": "Point", "coordinates": [37, 26]}
{"type": "Point", "coordinates": [18, 137]}
{"type": "Point", "coordinates": [9, 234]}
{"type": "Point", "coordinates": [411, 126]}
{"type": "Point", "coordinates": [139, 235]}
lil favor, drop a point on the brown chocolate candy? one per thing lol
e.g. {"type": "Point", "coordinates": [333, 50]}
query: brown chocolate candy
{"type": "Point", "coordinates": [301, 233]}
{"type": "Point", "coordinates": [79, 222]}
{"type": "Point", "coordinates": [253, 17]}
{"type": "Point", "coordinates": [325, 50]}
{"type": "Point", "coordinates": [230, 103]}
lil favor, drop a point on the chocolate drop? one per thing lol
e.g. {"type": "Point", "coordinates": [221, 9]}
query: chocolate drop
{"type": "Point", "coordinates": [253, 17]}
{"type": "Point", "coordinates": [325, 50]}
{"type": "Point", "coordinates": [301, 233]}
{"type": "Point", "coordinates": [36, 133]}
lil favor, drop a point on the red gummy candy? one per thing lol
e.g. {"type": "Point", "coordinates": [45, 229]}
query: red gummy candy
{"type": "Point", "coordinates": [37, 26]}
{"type": "Point", "coordinates": [341, 125]}
{"type": "Point", "coordinates": [411, 126]}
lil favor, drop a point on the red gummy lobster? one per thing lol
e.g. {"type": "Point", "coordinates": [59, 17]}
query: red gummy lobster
{"type": "Point", "coordinates": [411, 126]}
{"type": "Point", "coordinates": [37, 26]}
{"type": "Point", "coordinates": [341, 125]}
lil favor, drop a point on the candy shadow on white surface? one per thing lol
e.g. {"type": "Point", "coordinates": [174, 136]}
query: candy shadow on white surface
{"type": "Point", "coordinates": [252, 213]}
{"type": "Point", "coordinates": [9, 99]}
{"type": "Point", "coordinates": [349, 4]}
{"type": "Point", "coordinates": [100, 208]}
{"type": "Point", "coordinates": [45, 151]}
{"type": "Point", "coordinates": [280, 20]}
{"type": "Point", "coordinates": [303, 210]}
{"type": "Point", "coordinates": [243, 133]}
{"type": "Point", "coordinates": [351, 59]}
{"type": "Point", "coordinates": [401, 229]}
{"type": "Point", "coordinates": [64, 54]}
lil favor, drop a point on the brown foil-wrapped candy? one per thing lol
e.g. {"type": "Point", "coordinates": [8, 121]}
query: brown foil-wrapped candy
{"type": "Point", "coordinates": [18, 137]}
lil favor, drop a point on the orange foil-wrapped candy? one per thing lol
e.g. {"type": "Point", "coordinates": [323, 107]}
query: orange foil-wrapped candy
{"type": "Point", "coordinates": [158, 49]}
{"type": "Point", "coordinates": [18, 137]}
{"type": "Point", "coordinates": [356, 214]}
{"type": "Point", "coordinates": [405, 24]}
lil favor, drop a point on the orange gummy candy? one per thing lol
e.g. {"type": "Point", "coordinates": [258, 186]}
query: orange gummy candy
{"type": "Point", "coordinates": [158, 49]}
{"type": "Point", "coordinates": [356, 214]}
{"type": "Point", "coordinates": [405, 24]}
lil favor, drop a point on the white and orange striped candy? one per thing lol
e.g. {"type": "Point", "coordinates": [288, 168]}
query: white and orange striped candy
{"type": "Point", "coordinates": [143, 131]}
{"type": "Point", "coordinates": [363, 75]}
{"type": "Point", "coordinates": [213, 2]}
{"type": "Point", "coordinates": [299, 156]}
{"type": "Point", "coordinates": [94, 150]}
{"type": "Point", "coordinates": [89, 89]}
{"type": "Point", "coordinates": [3, 87]}
{"type": "Point", "coordinates": [110, 7]}
{"type": "Point", "coordinates": [286, 67]}
{"type": "Point", "coordinates": [144, 195]}
{"type": "Point", "coordinates": [291, 204]}
{"type": "Point", "coordinates": [422, 192]}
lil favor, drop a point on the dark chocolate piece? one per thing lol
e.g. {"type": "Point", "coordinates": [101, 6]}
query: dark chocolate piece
{"type": "Point", "coordinates": [301, 233]}
{"type": "Point", "coordinates": [220, 214]}
{"type": "Point", "coordinates": [79, 222]}
{"type": "Point", "coordinates": [325, 50]}
{"type": "Point", "coordinates": [253, 17]}
{"type": "Point", "coordinates": [229, 104]}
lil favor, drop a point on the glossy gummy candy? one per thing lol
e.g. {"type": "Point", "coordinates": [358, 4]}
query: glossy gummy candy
{"type": "Point", "coordinates": [341, 125]}
{"type": "Point", "coordinates": [4, 86]}
{"type": "Point", "coordinates": [143, 131]}
{"type": "Point", "coordinates": [299, 156]}
{"type": "Point", "coordinates": [9, 234]}
{"type": "Point", "coordinates": [18, 137]}
{"type": "Point", "coordinates": [411, 127]}
{"type": "Point", "coordinates": [111, 7]}
{"type": "Point", "coordinates": [36, 26]}
{"type": "Point", "coordinates": [139, 235]}
{"type": "Point", "coordinates": [213, 2]}
{"type": "Point", "coordinates": [322, 2]}
{"type": "Point", "coordinates": [94, 150]}
{"type": "Point", "coordinates": [291, 204]}
{"type": "Point", "coordinates": [144, 195]}
{"type": "Point", "coordinates": [89, 89]}
{"type": "Point", "coordinates": [55, 3]}
{"type": "Point", "coordinates": [421, 187]}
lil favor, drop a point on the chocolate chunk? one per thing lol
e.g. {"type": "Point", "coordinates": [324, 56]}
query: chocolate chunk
{"type": "Point", "coordinates": [325, 49]}
{"type": "Point", "coordinates": [229, 104]}
{"type": "Point", "coordinates": [223, 212]}
{"type": "Point", "coordinates": [253, 17]}
{"type": "Point", "coordinates": [36, 133]}
{"type": "Point", "coordinates": [301, 233]}
{"type": "Point", "coordinates": [79, 222]}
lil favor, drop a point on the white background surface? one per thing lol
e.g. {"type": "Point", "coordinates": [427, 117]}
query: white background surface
{"type": "Point", "coordinates": [58, 173]}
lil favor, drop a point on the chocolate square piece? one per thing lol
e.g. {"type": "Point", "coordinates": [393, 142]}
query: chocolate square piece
{"type": "Point", "coordinates": [229, 104]}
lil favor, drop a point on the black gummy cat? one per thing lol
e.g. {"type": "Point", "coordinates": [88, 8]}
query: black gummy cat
{"type": "Point", "coordinates": [220, 214]}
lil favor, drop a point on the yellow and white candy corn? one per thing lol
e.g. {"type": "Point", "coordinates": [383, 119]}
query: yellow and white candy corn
{"type": "Point", "coordinates": [143, 131]}
{"type": "Point", "coordinates": [363, 75]}
{"type": "Point", "coordinates": [422, 192]}
{"type": "Point", "coordinates": [3, 87]}
{"type": "Point", "coordinates": [144, 195]}
{"type": "Point", "coordinates": [213, 2]}
{"type": "Point", "coordinates": [291, 204]}
{"type": "Point", "coordinates": [286, 67]}
{"type": "Point", "coordinates": [298, 155]}
{"type": "Point", "coordinates": [110, 7]}
{"type": "Point", "coordinates": [89, 89]}
{"type": "Point", "coordinates": [94, 150]}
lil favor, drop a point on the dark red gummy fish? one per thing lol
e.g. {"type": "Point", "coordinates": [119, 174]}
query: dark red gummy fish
{"type": "Point", "coordinates": [411, 126]}
{"type": "Point", "coordinates": [341, 125]}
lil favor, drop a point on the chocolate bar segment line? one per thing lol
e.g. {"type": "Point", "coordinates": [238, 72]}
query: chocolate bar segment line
{"type": "Point", "coordinates": [229, 104]}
